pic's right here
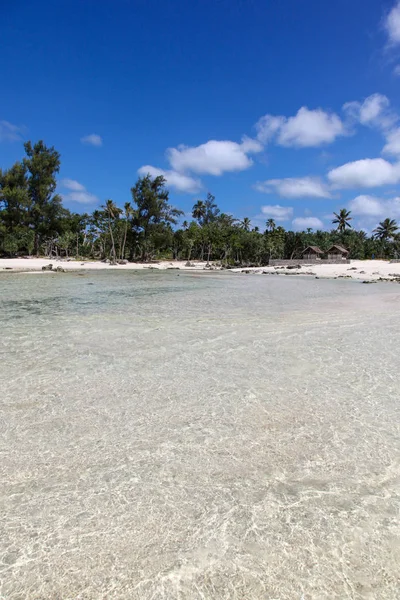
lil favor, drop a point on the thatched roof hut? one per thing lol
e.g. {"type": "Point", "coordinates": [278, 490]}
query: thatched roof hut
{"type": "Point", "coordinates": [336, 252]}
{"type": "Point", "coordinates": [312, 253]}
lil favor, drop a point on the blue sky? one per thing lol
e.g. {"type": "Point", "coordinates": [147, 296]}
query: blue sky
{"type": "Point", "coordinates": [281, 109]}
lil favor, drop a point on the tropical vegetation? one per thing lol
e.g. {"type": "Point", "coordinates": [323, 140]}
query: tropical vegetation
{"type": "Point", "coordinates": [33, 221]}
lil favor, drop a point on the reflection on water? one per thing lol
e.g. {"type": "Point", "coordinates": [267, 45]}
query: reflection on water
{"type": "Point", "coordinates": [176, 435]}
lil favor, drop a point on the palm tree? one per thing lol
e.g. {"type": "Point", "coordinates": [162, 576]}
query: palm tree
{"type": "Point", "coordinates": [245, 224]}
{"type": "Point", "coordinates": [212, 210]}
{"type": "Point", "coordinates": [342, 220]}
{"type": "Point", "coordinates": [128, 213]}
{"type": "Point", "coordinates": [111, 210]}
{"type": "Point", "coordinates": [205, 211]}
{"type": "Point", "coordinates": [199, 211]}
{"type": "Point", "coordinates": [271, 225]}
{"type": "Point", "coordinates": [386, 230]}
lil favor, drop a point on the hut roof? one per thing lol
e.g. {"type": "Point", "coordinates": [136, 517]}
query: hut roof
{"type": "Point", "coordinates": [314, 249]}
{"type": "Point", "coordinates": [338, 248]}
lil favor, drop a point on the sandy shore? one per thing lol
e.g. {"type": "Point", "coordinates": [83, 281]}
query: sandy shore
{"type": "Point", "coordinates": [36, 264]}
{"type": "Point", "coordinates": [362, 270]}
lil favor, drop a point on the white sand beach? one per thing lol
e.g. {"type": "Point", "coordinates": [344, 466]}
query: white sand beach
{"type": "Point", "coordinates": [33, 264]}
{"type": "Point", "coordinates": [362, 270]}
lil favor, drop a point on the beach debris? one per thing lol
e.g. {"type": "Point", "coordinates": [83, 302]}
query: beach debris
{"type": "Point", "coordinates": [352, 269]}
{"type": "Point", "coordinates": [49, 267]}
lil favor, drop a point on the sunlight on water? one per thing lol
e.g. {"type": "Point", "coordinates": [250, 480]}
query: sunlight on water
{"type": "Point", "coordinates": [186, 436]}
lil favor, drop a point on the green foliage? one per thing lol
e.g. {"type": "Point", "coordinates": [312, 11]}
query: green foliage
{"type": "Point", "coordinates": [11, 244]}
{"type": "Point", "coordinates": [386, 230]}
{"type": "Point", "coordinates": [342, 220]}
{"type": "Point", "coordinates": [206, 212]}
{"type": "Point", "coordinates": [32, 219]}
{"type": "Point", "coordinates": [44, 207]}
{"type": "Point", "coordinates": [154, 215]}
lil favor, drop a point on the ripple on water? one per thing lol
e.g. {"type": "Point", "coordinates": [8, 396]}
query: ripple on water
{"type": "Point", "coordinates": [198, 437]}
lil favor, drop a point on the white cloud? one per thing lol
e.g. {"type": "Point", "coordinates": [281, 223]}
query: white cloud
{"type": "Point", "coordinates": [373, 107]}
{"type": "Point", "coordinates": [180, 181]}
{"type": "Point", "coordinates": [369, 111]}
{"type": "Point", "coordinates": [365, 173]}
{"type": "Point", "coordinates": [92, 140]}
{"type": "Point", "coordinates": [279, 213]}
{"type": "Point", "coordinates": [82, 197]}
{"type": "Point", "coordinates": [301, 223]}
{"type": "Point", "coordinates": [392, 145]}
{"type": "Point", "coordinates": [214, 157]}
{"type": "Point", "coordinates": [268, 126]}
{"type": "Point", "coordinates": [295, 187]}
{"type": "Point", "coordinates": [366, 205]}
{"type": "Point", "coordinates": [372, 207]}
{"type": "Point", "coordinates": [374, 111]}
{"type": "Point", "coordinates": [396, 71]}
{"type": "Point", "coordinates": [392, 24]}
{"type": "Point", "coordinates": [77, 193]}
{"type": "Point", "coordinates": [10, 132]}
{"type": "Point", "coordinates": [308, 128]}
{"type": "Point", "coordinates": [72, 184]}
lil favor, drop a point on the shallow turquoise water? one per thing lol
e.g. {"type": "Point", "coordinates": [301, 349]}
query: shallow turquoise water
{"type": "Point", "coordinates": [170, 435]}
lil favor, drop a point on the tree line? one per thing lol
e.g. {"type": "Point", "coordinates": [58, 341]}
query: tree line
{"type": "Point", "coordinates": [33, 221]}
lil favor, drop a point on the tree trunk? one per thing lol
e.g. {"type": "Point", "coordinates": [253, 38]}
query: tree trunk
{"type": "Point", "coordinates": [36, 245]}
{"type": "Point", "coordinates": [112, 240]}
{"type": "Point", "coordinates": [124, 242]}
{"type": "Point", "coordinates": [209, 253]}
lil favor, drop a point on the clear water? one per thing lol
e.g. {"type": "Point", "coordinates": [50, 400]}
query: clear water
{"type": "Point", "coordinates": [198, 436]}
